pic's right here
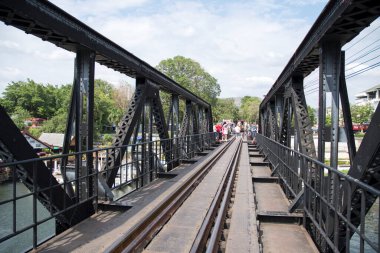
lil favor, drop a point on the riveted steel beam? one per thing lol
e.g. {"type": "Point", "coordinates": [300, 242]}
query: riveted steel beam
{"type": "Point", "coordinates": [126, 128]}
{"type": "Point", "coordinates": [343, 19]}
{"type": "Point", "coordinates": [50, 23]}
{"type": "Point", "coordinates": [301, 117]}
{"type": "Point", "coordinates": [14, 147]}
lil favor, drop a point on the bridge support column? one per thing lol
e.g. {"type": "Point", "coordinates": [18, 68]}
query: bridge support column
{"type": "Point", "coordinates": [272, 120]}
{"type": "Point", "coordinates": [81, 118]}
{"type": "Point", "coordinates": [286, 121]}
{"type": "Point", "coordinates": [186, 129]}
{"type": "Point", "coordinates": [329, 77]}
{"type": "Point", "coordinates": [209, 122]}
{"type": "Point", "coordinates": [173, 119]}
{"type": "Point", "coordinates": [173, 124]}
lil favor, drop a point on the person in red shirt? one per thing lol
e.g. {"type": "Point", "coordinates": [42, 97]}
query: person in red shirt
{"type": "Point", "coordinates": [218, 129]}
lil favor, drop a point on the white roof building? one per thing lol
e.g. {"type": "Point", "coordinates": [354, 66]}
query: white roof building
{"type": "Point", "coordinates": [371, 95]}
{"type": "Point", "coordinates": [53, 139]}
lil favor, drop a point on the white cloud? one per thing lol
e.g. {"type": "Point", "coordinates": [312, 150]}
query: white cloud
{"type": "Point", "coordinates": [260, 80]}
{"type": "Point", "coordinates": [244, 44]}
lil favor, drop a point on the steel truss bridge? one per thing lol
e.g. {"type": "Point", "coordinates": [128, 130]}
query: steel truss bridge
{"type": "Point", "coordinates": [333, 205]}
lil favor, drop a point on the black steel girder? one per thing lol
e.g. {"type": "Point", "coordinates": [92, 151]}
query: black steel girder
{"type": "Point", "coordinates": [50, 23]}
{"type": "Point", "coordinates": [14, 147]}
{"type": "Point", "coordinates": [342, 19]}
{"type": "Point", "coordinates": [126, 128]}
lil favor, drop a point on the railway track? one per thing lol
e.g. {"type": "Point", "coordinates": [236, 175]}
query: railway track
{"type": "Point", "coordinates": [214, 227]}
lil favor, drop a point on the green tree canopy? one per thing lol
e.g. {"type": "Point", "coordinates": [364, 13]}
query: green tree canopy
{"type": "Point", "coordinates": [190, 74]}
{"type": "Point", "coordinates": [19, 115]}
{"type": "Point", "coordinates": [30, 99]}
{"type": "Point", "coordinates": [362, 113]}
{"type": "Point", "coordinates": [41, 101]}
{"type": "Point", "coordinates": [225, 108]}
{"type": "Point", "coordinates": [249, 109]}
{"type": "Point", "coordinates": [312, 115]}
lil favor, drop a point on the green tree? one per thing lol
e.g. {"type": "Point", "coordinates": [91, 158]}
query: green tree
{"type": "Point", "coordinates": [249, 109]}
{"type": "Point", "coordinates": [19, 116]}
{"type": "Point", "coordinates": [56, 124]}
{"type": "Point", "coordinates": [312, 115]}
{"type": "Point", "coordinates": [38, 99]}
{"type": "Point", "coordinates": [225, 109]}
{"type": "Point", "coordinates": [362, 113]}
{"type": "Point", "coordinates": [190, 74]}
{"type": "Point", "coordinates": [30, 99]}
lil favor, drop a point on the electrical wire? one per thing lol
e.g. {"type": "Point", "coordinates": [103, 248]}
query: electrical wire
{"type": "Point", "coordinates": [363, 55]}
{"type": "Point", "coordinates": [361, 71]}
{"type": "Point", "coordinates": [363, 63]}
{"type": "Point", "coordinates": [361, 50]}
{"type": "Point", "coordinates": [356, 73]}
{"type": "Point", "coordinates": [363, 37]}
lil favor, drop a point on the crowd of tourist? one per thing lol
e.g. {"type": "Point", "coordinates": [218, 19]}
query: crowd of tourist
{"type": "Point", "coordinates": [239, 128]}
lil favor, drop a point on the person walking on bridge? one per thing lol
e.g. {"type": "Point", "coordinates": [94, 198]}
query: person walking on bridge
{"type": "Point", "coordinates": [225, 131]}
{"type": "Point", "coordinates": [218, 129]}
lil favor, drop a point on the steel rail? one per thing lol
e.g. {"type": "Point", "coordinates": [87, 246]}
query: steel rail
{"type": "Point", "coordinates": [217, 212]}
{"type": "Point", "coordinates": [143, 232]}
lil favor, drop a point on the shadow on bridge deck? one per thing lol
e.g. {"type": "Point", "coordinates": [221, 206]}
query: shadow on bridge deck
{"type": "Point", "coordinates": [98, 232]}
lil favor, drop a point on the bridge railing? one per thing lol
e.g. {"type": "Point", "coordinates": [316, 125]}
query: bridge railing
{"type": "Point", "coordinates": [327, 196]}
{"type": "Point", "coordinates": [141, 163]}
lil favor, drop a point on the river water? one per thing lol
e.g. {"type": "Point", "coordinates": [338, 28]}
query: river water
{"type": "Point", "coordinates": [24, 217]}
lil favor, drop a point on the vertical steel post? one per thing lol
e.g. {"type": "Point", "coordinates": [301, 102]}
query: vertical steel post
{"type": "Point", "coordinates": [279, 103]}
{"type": "Point", "coordinates": [329, 75]}
{"type": "Point", "coordinates": [209, 119]}
{"type": "Point", "coordinates": [346, 111]}
{"type": "Point", "coordinates": [174, 117]}
{"type": "Point", "coordinates": [81, 115]}
{"type": "Point", "coordinates": [330, 59]}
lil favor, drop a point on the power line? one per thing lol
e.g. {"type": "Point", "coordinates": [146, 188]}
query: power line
{"type": "Point", "coordinates": [363, 62]}
{"type": "Point", "coordinates": [365, 54]}
{"type": "Point", "coordinates": [363, 70]}
{"type": "Point", "coordinates": [364, 37]}
{"type": "Point", "coordinates": [361, 50]}
{"type": "Point", "coordinates": [351, 75]}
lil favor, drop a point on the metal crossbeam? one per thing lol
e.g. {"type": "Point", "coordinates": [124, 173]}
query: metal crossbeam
{"type": "Point", "coordinates": [341, 18]}
{"type": "Point", "coordinates": [14, 147]}
{"type": "Point", "coordinates": [50, 23]}
{"type": "Point", "coordinates": [125, 130]}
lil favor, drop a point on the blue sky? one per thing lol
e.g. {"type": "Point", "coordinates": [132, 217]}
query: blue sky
{"type": "Point", "coordinates": [244, 44]}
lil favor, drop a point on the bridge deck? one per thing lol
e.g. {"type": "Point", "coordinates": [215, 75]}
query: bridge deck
{"type": "Point", "coordinates": [180, 232]}
{"type": "Point", "coordinates": [249, 226]}
{"type": "Point", "coordinates": [243, 234]}
{"type": "Point", "coordinates": [278, 229]}
{"type": "Point", "coordinates": [103, 228]}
